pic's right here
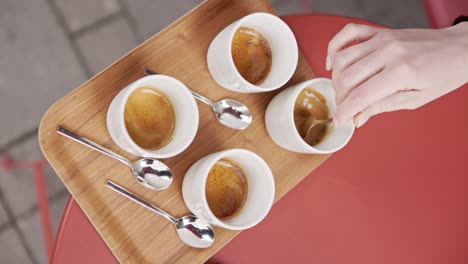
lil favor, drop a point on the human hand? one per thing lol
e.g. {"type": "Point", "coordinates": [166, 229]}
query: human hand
{"type": "Point", "coordinates": [386, 70]}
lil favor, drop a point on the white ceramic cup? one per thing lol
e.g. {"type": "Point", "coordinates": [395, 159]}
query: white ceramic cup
{"type": "Point", "coordinates": [279, 119]}
{"type": "Point", "coordinates": [284, 53]}
{"type": "Point", "coordinates": [186, 113]}
{"type": "Point", "coordinates": [260, 195]}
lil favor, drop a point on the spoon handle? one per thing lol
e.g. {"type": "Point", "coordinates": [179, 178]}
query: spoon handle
{"type": "Point", "coordinates": [325, 121]}
{"type": "Point", "coordinates": [62, 131]}
{"type": "Point", "coordinates": [313, 123]}
{"type": "Point", "coordinates": [139, 200]}
{"type": "Point", "coordinates": [202, 98]}
{"type": "Point", "coordinates": [195, 94]}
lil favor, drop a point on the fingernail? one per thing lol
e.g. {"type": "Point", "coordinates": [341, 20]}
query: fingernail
{"type": "Point", "coordinates": [328, 63]}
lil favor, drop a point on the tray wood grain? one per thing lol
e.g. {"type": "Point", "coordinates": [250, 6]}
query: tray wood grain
{"type": "Point", "coordinates": [133, 233]}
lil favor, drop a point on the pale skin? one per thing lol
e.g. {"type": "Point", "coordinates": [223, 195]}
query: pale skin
{"type": "Point", "coordinates": [378, 70]}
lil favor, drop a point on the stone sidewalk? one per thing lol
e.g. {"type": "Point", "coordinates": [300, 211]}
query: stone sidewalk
{"type": "Point", "coordinates": [55, 45]}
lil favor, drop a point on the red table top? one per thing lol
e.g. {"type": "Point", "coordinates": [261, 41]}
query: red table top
{"type": "Point", "coordinates": [395, 194]}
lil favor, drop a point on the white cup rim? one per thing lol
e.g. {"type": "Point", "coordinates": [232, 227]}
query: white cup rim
{"type": "Point", "coordinates": [291, 70]}
{"type": "Point", "coordinates": [191, 133]}
{"type": "Point", "coordinates": [295, 94]}
{"type": "Point", "coordinates": [259, 162]}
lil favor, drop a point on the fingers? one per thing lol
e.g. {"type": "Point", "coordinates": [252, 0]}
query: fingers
{"type": "Point", "coordinates": [371, 91]}
{"type": "Point", "coordinates": [346, 80]}
{"type": "Point", "coordinates": [348, 56]}
{"type": "Point", "coordinates": [397, 101]}
{"type": "Point", "coordinates": [350, 33]}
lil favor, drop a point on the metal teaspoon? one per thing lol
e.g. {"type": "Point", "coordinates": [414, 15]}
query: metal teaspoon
{"type": "Point", "coordinates": [191, 230]}
{"type": "Point", "coordinates": [328, 121]}
{"type": "Point", "coordinates": [149, 172]}
{"type": "Point", "coordinates": [229, 112]}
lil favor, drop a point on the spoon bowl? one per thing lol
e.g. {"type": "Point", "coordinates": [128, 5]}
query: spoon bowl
{"type": "Point", "coordinates": [194, 232]}
{"type": "Point", "coordinates": [152, 173]}
{"type": "Point", "coordinates": [233, 114]}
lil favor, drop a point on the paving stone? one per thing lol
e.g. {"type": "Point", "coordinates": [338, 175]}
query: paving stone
{"type": "Point", "coordinates": [151, 16]}
{"type": "Point", "coordinates": [37, 65]}
{"type": "Point", "coordinates": [82, 13]}
{"type": "Point", "coordinates": [11, 250]}
{"type": "Point", "coordinates": [32, 226]}
{"type": "Point", "coordinates": [396, 13]}
{"type": "Point", "coordinates": [104, 45]}
{"type": "Point", "coordinates": [3, 216]}
{"type": "Point", "coordinates": [19, 186]}
{"type": "Point", "coordinates": [34, 239]}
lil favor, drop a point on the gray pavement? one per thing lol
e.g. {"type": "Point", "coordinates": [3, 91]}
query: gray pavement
{"type": "Point", "coordinates": [55, 45]}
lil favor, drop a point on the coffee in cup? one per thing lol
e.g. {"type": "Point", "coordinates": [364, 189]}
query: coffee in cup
{"type": "Point", "coordinates": [155, 116]}
{"type": "Point", "coordinates": [226, 188]}
{"type": "Point", "coordinates": [251, 54]}
{"type": "Point", "coordinates": [257, 53]}
{"type": "Point", "coordinates": [149, 118]}
{"type": "Point", "coordinates": [311, 107]}
{"type": "Point", "coordinates": [233, 189]}
{"type": "Point", "coordinates": [290, 114]}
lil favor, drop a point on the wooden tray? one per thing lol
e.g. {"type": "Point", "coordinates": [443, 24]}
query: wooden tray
{"type": "Point", "coordinates": [133, 233]}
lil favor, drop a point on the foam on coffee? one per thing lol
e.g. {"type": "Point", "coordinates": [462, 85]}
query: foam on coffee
{"type": "Point", "coordinates": [251, 54]}
{"type": "Point", "coordinates": [226, 188]}
{"type": "Point", "coordinates": [149, 118]}
{"type": "Point", "coordinates": [311, 106]}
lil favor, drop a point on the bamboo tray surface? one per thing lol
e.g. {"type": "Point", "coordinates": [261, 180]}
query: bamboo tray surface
{"type": "Point", "coordinates": [135, 234]}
